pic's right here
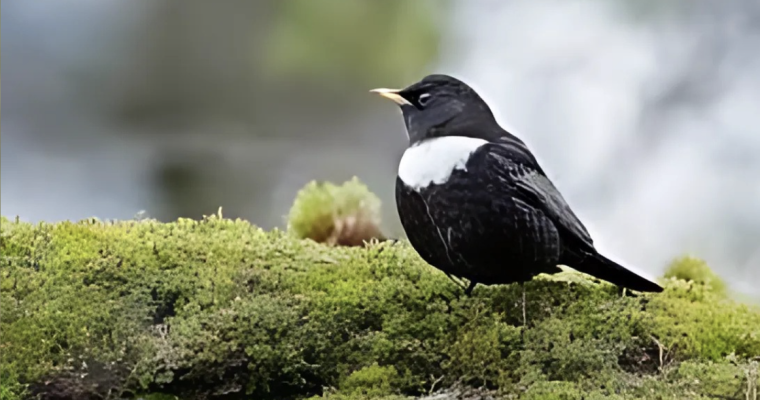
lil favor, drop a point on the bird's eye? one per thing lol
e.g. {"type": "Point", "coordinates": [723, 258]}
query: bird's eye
{"type": "Point", "coordinates": [423, 99]}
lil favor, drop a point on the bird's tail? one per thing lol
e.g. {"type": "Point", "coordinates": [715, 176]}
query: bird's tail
{"type": "Point", "coordinates": [601, 267]}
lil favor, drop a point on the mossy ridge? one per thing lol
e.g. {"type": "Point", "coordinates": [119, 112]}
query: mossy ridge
{"type": "Point", "coordinates": [220, 308]}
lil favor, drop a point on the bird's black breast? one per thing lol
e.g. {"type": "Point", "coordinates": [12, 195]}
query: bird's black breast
{"type": "Point", "coordinates": [477, 225]}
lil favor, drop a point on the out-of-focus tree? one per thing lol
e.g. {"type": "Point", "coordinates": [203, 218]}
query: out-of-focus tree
{"type": "Point", "coordinates": [204, 74]}
{"type": "Point", "coordinates": [361, 42]}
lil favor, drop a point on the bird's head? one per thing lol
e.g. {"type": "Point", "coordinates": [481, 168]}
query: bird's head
{"type": "Point", "coordinates": [439, 105]}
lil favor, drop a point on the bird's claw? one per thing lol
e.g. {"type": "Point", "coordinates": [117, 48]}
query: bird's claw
{"type": "Point", "coordinates": [468, 290]}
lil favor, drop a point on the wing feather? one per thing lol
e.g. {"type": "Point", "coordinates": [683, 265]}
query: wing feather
{"type": "Point", "coordinates": [514, 159]}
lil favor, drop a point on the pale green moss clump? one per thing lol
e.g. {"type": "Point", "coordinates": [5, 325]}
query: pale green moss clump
{"type": "Point", "coordinates": [220, 309]}
{"type": "Point", "coordinates": [347, 214]}
{"type": "Point", "coordinates": [692, 269]}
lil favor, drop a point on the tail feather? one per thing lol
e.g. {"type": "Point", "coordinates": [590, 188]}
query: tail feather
{"type": "Point", "coordinates": [601, 267]}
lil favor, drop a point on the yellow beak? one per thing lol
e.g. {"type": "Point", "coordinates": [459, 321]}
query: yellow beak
{"type": "Point", "coordinates": [391, 94]}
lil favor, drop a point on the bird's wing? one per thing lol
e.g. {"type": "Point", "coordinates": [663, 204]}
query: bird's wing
{"type": "Point", "coordinates": [513, 160]}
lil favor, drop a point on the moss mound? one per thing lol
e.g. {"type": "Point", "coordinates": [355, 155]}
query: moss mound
{"type": "Point", "coordinates": [221, 309]}
{"type": "Point", "coordinates": [693, 269]}
{"type": "Point", "coordinates": [345, 215]}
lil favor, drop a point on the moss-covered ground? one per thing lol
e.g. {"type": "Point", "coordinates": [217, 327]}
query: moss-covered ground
{"type": "Point", "coordinates": [219, 308]}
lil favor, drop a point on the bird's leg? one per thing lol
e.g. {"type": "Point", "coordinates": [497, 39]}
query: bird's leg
{"type": "Point", "coordinates": [525, 318]}
{"type": "Point", "coordinates": [469, 289]}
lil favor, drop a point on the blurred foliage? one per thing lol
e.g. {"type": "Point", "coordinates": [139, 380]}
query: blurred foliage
{"type": "Point", "coordinates": [364, 41]}
{"type": "Point", "coordinates": [346, 215]}
{"type": "Point", "coordinates": [219, 308]}
{"type": "Point", "coordinates": [647, 10]}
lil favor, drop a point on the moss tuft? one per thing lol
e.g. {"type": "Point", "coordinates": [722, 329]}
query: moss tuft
{"type": "Point", "coordinates": [694, 318]}
{"type": "Point", "coordinates": [695, 270]}
{"type": "Point", "coordinates": [346, 215]}
{"type": "Point", "coordinates": [372, 381]}
{"type": "Point", "coordinates": [10, 386]}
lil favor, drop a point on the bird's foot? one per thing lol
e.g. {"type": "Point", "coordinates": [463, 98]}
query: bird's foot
{"type": "Point", "coordinates": [456, 281]}
{"type": "Point", "coordinates": [468, 290]}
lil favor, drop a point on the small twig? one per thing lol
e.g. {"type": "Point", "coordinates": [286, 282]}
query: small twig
{"type": "Point", "coordinates": [752, 376]}
{"type": "Point", "coordinates": [661, 347]}
{"type": "Point", "coordinates": [124, 384]}
{"type": "Point", "coordinates": [435, 382]}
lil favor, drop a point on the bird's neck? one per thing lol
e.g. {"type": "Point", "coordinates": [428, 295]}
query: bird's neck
{"type": "Point", "coordinates": [472, 128]}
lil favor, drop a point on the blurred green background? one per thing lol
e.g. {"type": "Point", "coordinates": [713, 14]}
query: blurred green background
{"type": "Point", "coordinates": [642, 112]}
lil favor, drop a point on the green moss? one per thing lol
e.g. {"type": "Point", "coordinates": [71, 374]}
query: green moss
{"type": "Point", "coordinates": [347, 214]}
{"type": "Point", "coordinates": [373, 381]}
{"type": "Point", "coordinates": [555, 390]}
{"type": "Point", "coordinates": [222, 309]}
{"type": "Point", "coordinates": [343, 396]}
{"type": "Point", "coordinates": [696, 270]}
{"type": "Point", "coordinates": [691, 321]}
{"type": "Point", "coordinates": [157, 396]}
{"type": "Point", "coordinates": [10, 386]}
{"type": "Point", "coordinates": [481, 347]}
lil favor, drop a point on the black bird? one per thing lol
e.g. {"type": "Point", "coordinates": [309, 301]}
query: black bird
{"type": "Point", "coordinates": [473, 200]}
